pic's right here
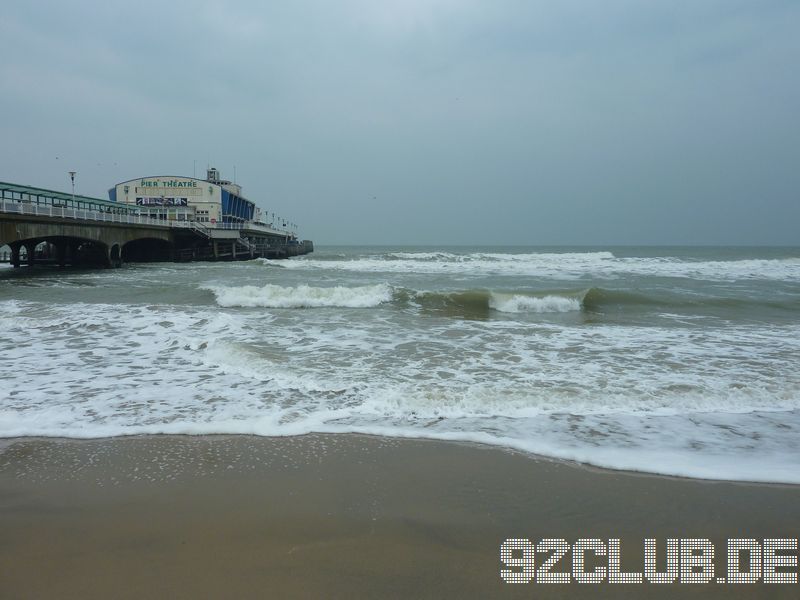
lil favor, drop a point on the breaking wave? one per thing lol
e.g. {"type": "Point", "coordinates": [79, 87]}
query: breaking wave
{"type": "Point", "coordinates": [482, 302]}
{"type": "Point", "coordinates": [566, 265]}
{"type": "Point", "coordinates": [302, 296]}
{"type": "Point", "coordinates": [514, 303]}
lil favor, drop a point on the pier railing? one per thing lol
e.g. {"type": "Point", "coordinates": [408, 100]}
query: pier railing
{"type": "Point", "coordinates": [252, 226]}
{"type": "Point", "coordinates": [49, 210]}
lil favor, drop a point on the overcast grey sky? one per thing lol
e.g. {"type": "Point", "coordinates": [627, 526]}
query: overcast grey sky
{"type": "Point", "coordinates": [426, 121]}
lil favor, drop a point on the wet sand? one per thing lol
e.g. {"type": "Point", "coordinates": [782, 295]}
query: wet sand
{"type": "Point", "coordinates": [339, 516]}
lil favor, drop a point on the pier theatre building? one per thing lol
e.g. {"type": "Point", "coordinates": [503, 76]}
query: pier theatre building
{"type": "Point", "coordinates": [213, 200]}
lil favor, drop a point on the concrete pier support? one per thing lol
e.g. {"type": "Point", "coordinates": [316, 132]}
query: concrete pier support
{"type": "Point", "coordinates": [85, 243]}
{"type": "Point", "coordinates": [61, 254]}
{"type": "Point", "coordinates": [115, 256]}
{"type": "Point", "coordinates": [72, 250]}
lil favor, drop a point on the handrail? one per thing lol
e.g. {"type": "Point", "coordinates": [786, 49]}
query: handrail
{"type": "Point", "coordinates": [48, 210]}
{"type": "Point", "coordinates": [253, 226]}
{"type": "Point", "coordinates": [199, 228]}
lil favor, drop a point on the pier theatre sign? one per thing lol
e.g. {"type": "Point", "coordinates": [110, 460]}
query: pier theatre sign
{"type": "Point", "coordinates": [160, 192]}
{"type": "Point", "coordinates": [169, 183]}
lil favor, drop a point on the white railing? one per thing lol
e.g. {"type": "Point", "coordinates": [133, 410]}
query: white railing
{"type": "Point", "coordinates": [198, 227]}
{"type": "Point", "coordinates": [49, 210]}
{"type": "Point", "coordinates": [252, 226]}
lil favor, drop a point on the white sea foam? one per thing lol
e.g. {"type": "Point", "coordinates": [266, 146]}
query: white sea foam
{"type": "Point", "coordinates": [8, 310]}
{"type": "Point", "coordinates": [302, 296]}
{"type": "Point", "coordinates": [427, 256]}
{"type": "Point", "coordinates": [713, 401]}
{"type": "Point", "coordinates": [567, 265]}
{"type": "Point", "coordinates": [449, 263]}
{"type": "Point", "coordinates": [10, 306]}
{"type": "Point", "coordinates": [515, 303]}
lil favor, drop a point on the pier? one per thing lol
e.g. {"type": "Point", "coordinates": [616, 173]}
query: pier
{"type": "Point", "coordinates": [49, 227]}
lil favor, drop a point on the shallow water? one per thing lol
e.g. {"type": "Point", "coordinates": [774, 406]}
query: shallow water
{"type": "Point", "coordinates": [681, 361]}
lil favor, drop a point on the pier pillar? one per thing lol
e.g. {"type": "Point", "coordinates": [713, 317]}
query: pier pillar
{"type": "Point", "coordinates": [72, 251]}
{"type": "Point", "coordinates": [61, 254]}
{"type": "Point", "coordinates": [15, 255]}
{"type": "Point", "coordinates": [115, 256]}
{"type": "Point", "coordinates": [216, 249]}
{"type": "Point", "coordinates": [233, 250]}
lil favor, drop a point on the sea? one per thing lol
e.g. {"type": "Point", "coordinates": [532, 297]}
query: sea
{"type": "Point", "coordinates": [677, 361]}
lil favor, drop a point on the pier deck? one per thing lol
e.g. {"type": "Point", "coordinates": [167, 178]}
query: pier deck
{"type": "Point", "coordinates": [46, 226]}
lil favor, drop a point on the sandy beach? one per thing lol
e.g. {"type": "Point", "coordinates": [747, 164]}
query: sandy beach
{"type": "Point", "coordinates": [339, 516]}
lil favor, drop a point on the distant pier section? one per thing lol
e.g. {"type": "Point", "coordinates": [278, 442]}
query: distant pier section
{"type": "Point", "coordinates": [169, 218]}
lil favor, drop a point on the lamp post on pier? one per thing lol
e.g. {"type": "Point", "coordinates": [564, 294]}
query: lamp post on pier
{"type": "Point", "coordinates": [72, 178]}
